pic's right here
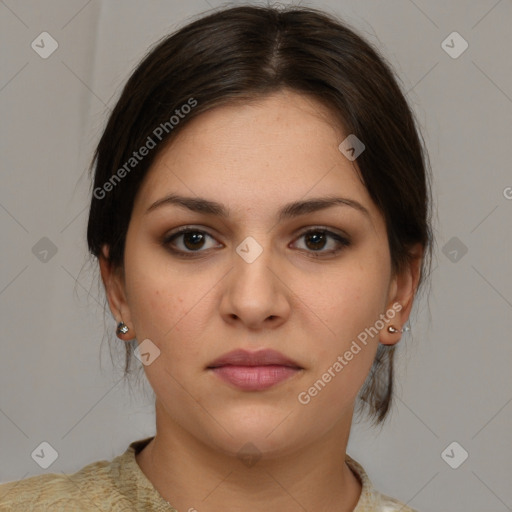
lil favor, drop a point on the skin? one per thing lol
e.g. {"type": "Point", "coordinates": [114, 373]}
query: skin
{"type": "Point", "coordinates": [254, 159]}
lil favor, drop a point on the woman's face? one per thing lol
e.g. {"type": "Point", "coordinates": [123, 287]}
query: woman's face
{"type": "Point", "coordinates": [253, 280]}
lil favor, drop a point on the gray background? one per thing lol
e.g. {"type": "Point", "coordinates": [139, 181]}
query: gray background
{"type": "Point", "coordinates": [57, 380]}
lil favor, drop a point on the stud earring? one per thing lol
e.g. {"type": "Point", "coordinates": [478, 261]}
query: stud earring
{"type": "Point", "coordinates": [392, 329]}
{"type": "Point", "coordinates": [122, 328]}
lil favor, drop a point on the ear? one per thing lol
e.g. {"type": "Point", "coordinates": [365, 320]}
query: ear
{"type": "Point", "coordinates": [401, 291]}
{"type": "Point", "coordinates": [113, 280]}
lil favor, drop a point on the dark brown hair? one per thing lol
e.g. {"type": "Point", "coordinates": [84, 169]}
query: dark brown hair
{"type": "Point", "coordinates": [242, 54]}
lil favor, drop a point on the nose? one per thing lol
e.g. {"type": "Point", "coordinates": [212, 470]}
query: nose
{"type": "Point", "coordinates": [255, 293]}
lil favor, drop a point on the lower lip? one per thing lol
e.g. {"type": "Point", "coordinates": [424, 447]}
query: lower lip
{"type": "Point", "coordinates": [255, 378]}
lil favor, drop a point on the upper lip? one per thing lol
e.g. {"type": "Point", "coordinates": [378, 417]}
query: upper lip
{"type": "Point", "coordinates": [264, 357]}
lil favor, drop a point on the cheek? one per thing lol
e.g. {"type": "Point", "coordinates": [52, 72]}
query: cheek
{"type": "Point", "coordinates": [167, 307]}
{"type": "Point", "coordinates": [350, 306]}
{"type": "Point", "coordinates": [155, 296]}
{"type": "Point", "coordinates": [356, 295]}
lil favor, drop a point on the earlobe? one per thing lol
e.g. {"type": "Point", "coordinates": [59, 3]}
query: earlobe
{"type": "Point", "coordinates": [394, 334]}
{"type": "Point", "coordinates": [113, 282]}
{"type": "Point", "coordinates": [404, 289]}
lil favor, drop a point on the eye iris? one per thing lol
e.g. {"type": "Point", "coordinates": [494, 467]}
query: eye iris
{"type": "Point", "coordinates": [318, 238]}
{"type": "Point", "coordinates": [195, 237]}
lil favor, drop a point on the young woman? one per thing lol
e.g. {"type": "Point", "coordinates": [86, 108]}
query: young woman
{"type": "Point", "coordinates": [260, 214]}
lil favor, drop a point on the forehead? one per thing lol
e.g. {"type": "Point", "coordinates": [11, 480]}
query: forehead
{"type": "Point", "coordinates": [259, 155]}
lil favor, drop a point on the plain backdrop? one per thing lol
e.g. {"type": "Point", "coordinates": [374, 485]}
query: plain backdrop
{"type": "Point", "coordinates": [57, 380]}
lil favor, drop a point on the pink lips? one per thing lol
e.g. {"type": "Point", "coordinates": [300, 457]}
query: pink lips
{"type": "Point", "coordinates": [254, 371]}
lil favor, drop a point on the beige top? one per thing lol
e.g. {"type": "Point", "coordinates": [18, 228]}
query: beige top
{"type": "Point", "coordinates": [121, 486]}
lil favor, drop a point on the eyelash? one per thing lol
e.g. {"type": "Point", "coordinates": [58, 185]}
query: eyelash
{"type": "Point", "coordinates": [342, 241]}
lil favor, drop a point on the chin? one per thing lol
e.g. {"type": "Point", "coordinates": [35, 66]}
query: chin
{"type": "Point", "coordinates": [261, 434]}
{"type": "Point", "coordinates": [256, 445]}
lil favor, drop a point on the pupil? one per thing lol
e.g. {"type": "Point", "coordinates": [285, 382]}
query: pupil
{"type": "Point", "coordinates": [197, 238]}
{"type": "Point", "coordinates": [320, 239]}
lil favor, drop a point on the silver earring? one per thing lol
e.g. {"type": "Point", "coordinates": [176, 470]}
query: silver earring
{"type": "Point", "coordinates": [392, 329]}
{"type": "Point", "coordinates": [122, 328]}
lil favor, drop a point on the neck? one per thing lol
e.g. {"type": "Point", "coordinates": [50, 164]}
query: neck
{"type": "Point", "coordinates": [193, 476]}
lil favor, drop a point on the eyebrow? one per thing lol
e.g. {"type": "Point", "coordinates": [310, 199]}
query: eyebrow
{"type": "Point", "coordinates": [288, 211]}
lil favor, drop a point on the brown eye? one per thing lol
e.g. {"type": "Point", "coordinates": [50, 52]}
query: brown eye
{"type": "Point", "coordinates": [192, 241]}
{"type": "Point", "coordinates": [317, 239]}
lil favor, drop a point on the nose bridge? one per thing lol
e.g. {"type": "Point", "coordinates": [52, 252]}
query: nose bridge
{"type": "Point", "coordinates": [254, 259]}
{"type": "Point", "coordinates": [254, 291]}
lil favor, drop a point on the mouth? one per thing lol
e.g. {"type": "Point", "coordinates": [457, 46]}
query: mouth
{"type": "Point", "coordinates": [254, 371]}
